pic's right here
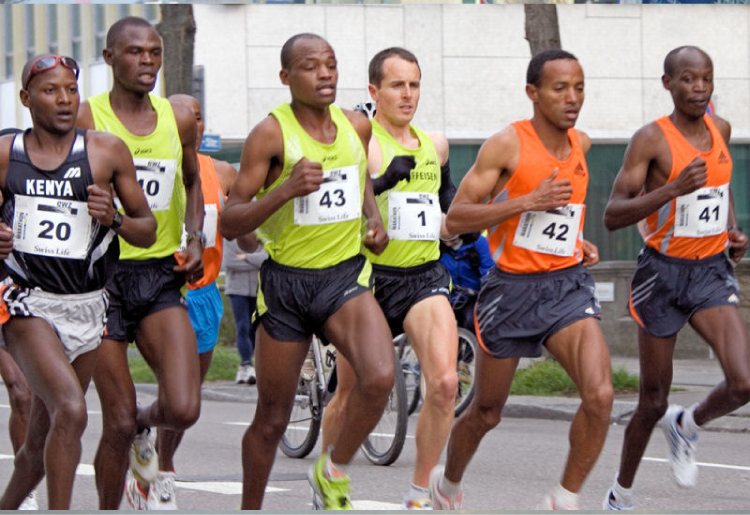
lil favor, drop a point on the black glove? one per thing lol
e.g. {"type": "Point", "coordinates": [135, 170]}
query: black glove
{"type": "Point", "coordinates": [399, 169]}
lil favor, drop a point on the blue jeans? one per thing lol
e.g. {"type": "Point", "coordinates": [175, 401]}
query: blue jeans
{"type": "Point", "coordinates": [243, 308]}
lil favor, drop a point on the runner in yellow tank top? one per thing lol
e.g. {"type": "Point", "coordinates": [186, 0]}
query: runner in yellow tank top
{"type": "Point", "coordinates": [307, 165]}
{"type": "Point", "coordinates": [676, 174]}
{"type": "Point", "coordinates": [411, 285]}
{"type": "Point", "coordinates": [146, 305]}
{"type": "Point", "coordinates": [518, 312]}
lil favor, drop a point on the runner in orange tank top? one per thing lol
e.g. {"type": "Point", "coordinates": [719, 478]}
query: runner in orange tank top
{"type": "Point", "coordinates": [540, 293]}
{"type": "Point", "coordinates": [205, 305]}
{"type": "Point", "coordinates": [675, 175]}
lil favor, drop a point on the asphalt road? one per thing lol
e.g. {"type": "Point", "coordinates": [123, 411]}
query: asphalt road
{"type": "Point", "coordinates": [516, 465]}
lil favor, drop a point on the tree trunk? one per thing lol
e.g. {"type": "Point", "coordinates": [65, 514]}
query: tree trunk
{"type": "Point", "coordinates": [177, 29]}
{"type": "Point", "coordinates": [542, 27]}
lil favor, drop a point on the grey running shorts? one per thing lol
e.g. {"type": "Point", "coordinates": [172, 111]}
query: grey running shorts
{"type": "Point", "coordinates": [294, 303]}
{"type": "Point", "coordinates": [78, 319]}
{"type": "Point", "coordinates": [516, 313]}
{"type": "Point", "coordinates": [398, 289]}
{"type": "Point", "coordinates": [138, 289]}
{"type": "Point", "coordinates": [667, 291]}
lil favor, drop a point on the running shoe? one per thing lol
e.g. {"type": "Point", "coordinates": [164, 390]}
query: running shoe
{"type": "Point", "coordinates": [416, 504]}
{"type": "Point", "coordinates": [439, 501]}
{"type": "Point", "coordinates": [551, 502]}
{"type": "Point", "coordinates": [143, 461]}
{"type": "Point", "coordinates": [137, 498]}
{"type": "Point", "coordinates": [245, 375]}
{"type": "Point", "coordinates": [328, 494]}
{"type": "Point", "coordinates": [161, 492]}
{"type": "Point", "coordinates": [681, 449]}
{"type": "Point", "coordinates": [29, 503]}
{"type": "Point", "coordinates": [613, 504]}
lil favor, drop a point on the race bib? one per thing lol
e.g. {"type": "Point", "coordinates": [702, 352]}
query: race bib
{"type": "Point", "coordinates": [550, 232]}
{"type": "Point", "coordinates": [156, 177]}
{"type": "Point", "coordinates": [337, 200]}
{"type": "Point", "coordinates": [413, 216]}
{"type": "Point", "coordinates": [51, 227]}
{"type": "Point", "coordinates": [701, 213]}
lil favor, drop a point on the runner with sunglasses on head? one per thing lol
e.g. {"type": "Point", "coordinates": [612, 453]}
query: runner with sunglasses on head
{"type": "Point", "coordinates": [146, 303]}
{"type": "Point", "coordinates": [58, 240]}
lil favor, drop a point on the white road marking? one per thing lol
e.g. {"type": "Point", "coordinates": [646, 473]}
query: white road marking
{"type": "Point", "coordinates": [702, 464]}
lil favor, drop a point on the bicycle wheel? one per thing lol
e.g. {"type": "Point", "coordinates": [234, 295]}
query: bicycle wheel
{"type": "Point", "coordinates": [467, 360]}
{"type": "Point", "coordinates": [412, 374]}
{"type": "Point", "coordinates": [384, 443]}
{"type": "Point", "coordinates": [302, 432]}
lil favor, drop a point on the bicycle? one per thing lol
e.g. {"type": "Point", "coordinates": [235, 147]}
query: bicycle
{"type": "Point", "coordinates": [462, 301]}
{"type": "Point", "coordinates": [316, 387]}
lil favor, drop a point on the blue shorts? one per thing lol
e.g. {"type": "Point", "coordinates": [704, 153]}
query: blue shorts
{"type": "Point", "coordinates": [205, 309]}
{"type": "Point", "coordinates": [667, 291]}
{"type": "Point", "coordinates": [516, 313]}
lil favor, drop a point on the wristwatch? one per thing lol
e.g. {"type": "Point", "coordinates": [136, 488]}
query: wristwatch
{"type": "Point", "coordinates": [197, 236]}
{"type": "Point", "coordinates": [116, 221]}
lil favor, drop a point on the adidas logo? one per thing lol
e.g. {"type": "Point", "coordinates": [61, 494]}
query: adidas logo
{"type": "Point", "coordinates": [723, 159]}
{"type": "Point", "coordinates": [589, 311]}
{"type": "Point", "coordinates": [73, 171]}
{"type": "Point", "coordinates": [580, 171]}
{"type": "Point", "coordinates": [733, 299]}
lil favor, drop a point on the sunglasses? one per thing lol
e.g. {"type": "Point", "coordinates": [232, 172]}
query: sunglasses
{"type": "Point", "coordinates": [47, 63]}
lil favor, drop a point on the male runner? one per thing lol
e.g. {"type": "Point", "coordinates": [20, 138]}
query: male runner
{"type": "Point", "coordinates": [205, 309]}
{"type": "Point", "coordinates": [307, 162]}
{"type": "Point", "coordinates": [411, 178]}
{"type": "Point", "coordinates": [59, 216]}
{"type": "Point", "coordinates": [146, 304]}
{"type": "Point", "coordinates": [675, 175]}
{"type": "Point", "coordinates": [539, 293]}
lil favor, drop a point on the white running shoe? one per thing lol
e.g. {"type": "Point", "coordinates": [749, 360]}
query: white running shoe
{"type": "Point", "coordinates": [439, 501]}
{"type": "Point", "coordinates": [29, 503]}
{"type": "Point", "coordinates": [681, 449]}
{"type": "Point", "coordinates": [143, 461]}
{"type": "Point", "coordinates": [161, 492]}
{"type": "Point", "coordinates": [243, 374]}
{"type": "Point", "coordinates": [251, 380]}
{"type": "Point", "coordinates": [550, 502]}
{"type": "Point", "coordinates": [137, 498]}
{"type": "Point", "coordinates": [614, 504]}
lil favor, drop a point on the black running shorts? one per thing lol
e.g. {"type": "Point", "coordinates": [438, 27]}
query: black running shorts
{"type": "Point", "coordinates": [667, 291]}
{"type": "Point", "coordinates": [516, 313]}
{"type": "Point", "coordinates": [398, 289]}
{"type": "Point", "coordinates": [138, 289]}
{"type": "Point", "coordinates": [295, 303]}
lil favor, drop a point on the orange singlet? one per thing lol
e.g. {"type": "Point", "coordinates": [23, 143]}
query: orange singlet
{"type": "Point", "coordinates": [542, 241]}
{"type": "Point", "coordinates": [699, 229]}
{"type": "Point", "coordinates": [213, 200]}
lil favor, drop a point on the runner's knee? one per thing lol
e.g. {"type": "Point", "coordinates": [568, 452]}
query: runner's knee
{"type": "Point", "coordinates": [597, 401]}
{"type": "Point", "coordinates": [442, 390]}
{"type": "Point", "coordinates": [740, 389]}
{"type": "Point", "coordinates": [69, 417]}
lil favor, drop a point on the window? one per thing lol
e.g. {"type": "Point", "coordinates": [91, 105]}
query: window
{"type": "Point", "coordinates": [100, 30]}
{"type": "Point", "coordinates": [151, 13]}
{"type": "Point", "coordinates": [29, 33]}
{"type": "Point", "coordinates": [75, 34]}
{"type": "Point", "coordinates": [53, 45]}
{"type": "Point", "coordinates": [8, 41]}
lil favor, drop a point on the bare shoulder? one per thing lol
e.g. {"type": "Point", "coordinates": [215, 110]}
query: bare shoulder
{"type": "Point", "coordinates": [647, 138]}
{"type": "Point", "coordinates": [267, 131]}
{"type": "Point", "coordinates": [85, 118]}
{"type": "Point", "coordinates": [99, 141]}
{"type": "Point", "coordinates": [725, 128]}
{"type": "Point", "coordinates": [442, 148]}
{"type": "Point", "coordinates": [359, 121]}
{"type": "Point", "coordinates": [225, 172]}
{"type": "Point", "coordinates": [585, 141]}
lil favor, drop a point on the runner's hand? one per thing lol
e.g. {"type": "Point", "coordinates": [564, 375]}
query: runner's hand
{"type": "Point", "coordinates": [692, 177]}
{"type": "Point", "coordinates": [376, 238]}
{"type": "Point", "coordinates": [306, 177]}
{"type": "Point", "coordinates": [550, 194]}
{"type": "Point", "coordinates": [100, 205]}
{"type": "Point", "coordinates": [6, 240]}
{"type": "Point", "coordinates": [191, 259]}
{"type": "Point", "coordinates": [738, 244]}
{"type": "Point", "coordinates": [399, 169]}
{"type": "Point", "coordinates": [590, 254]}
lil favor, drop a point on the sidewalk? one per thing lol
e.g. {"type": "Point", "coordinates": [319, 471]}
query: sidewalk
{"type": "Point", "coordinates": [693, 379]}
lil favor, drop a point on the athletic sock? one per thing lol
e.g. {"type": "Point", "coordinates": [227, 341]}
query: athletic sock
{"type": "Point", "coordinates": [688, 427]}
{"type": "Point", "coordinates": [333, 470]}
{"type": "Point", "coordinates": [564, 498]}
{"type": "Point", "coordinates": [622, 494]}
{"type": "Point", "coordinates": [417, 493]}
{"type": "Point", "coordinates": [448, 488]}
